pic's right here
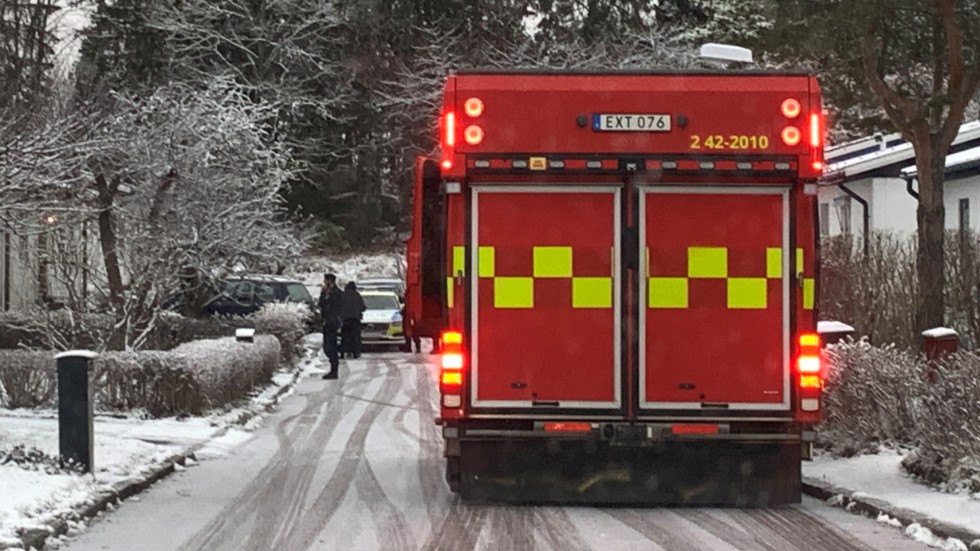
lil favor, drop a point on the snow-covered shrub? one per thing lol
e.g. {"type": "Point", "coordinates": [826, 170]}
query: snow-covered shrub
{"type": "Point", "coordinates": [870, 397]}
{"type": "Point", "coordinates": [154, 381]}
{"type": "Point", "coordinates": [884, 396]}
{"type": "Point", "coordinates": [225, 370]}
{"type": "Point", "coordinates": [288, 322]}
{"type": "Point", "coordinates": [28, 377]}
{"type": "Point", "coordinates": [173, 329]}
{"type": "Point", "coordinates": [4, 399]}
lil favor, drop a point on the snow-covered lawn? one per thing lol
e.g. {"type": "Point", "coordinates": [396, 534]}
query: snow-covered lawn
{"type": "Point", "coordinates": [880, 476]}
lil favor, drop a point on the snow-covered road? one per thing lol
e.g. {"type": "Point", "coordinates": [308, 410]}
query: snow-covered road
{"type": "Point", "coordinates": [356, 464]}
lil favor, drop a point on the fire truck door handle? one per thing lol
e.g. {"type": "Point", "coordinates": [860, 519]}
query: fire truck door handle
{"type": "Point", "coordinates": [459, 277]}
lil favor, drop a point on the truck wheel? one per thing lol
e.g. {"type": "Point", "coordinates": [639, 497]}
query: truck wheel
{"type": "Point", "coordinates": [453, 476]}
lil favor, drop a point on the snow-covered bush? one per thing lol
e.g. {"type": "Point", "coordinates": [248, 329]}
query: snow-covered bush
{"type": "Point", "coordinates": [287, 321]}
{"type": "Point", "coordinates": [153, 381]}
{"type": "Point", "coordinates": [4, 399]}
{"type": "Point", "coordinates": [225, 370]}
{"type": "Point", "coordinates": [884, 396]}
{"type": "Point", "coordinates": [28, 377]}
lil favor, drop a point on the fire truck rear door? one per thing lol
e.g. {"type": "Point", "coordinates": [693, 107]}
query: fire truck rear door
{"type": "Point", "coordinates": [714, 296]}
{"type": "Point", "coordinates": [545, 294]}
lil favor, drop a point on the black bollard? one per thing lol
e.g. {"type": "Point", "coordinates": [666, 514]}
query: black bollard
{"type": "Point", "coordinates": [75, 430]}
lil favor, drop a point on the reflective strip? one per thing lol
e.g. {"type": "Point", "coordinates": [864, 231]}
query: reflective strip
{"type": "Point", "coordinates": [449, 292]}
{"type": "Point", "coordinates": [774, 262]}
{"type": "Point", "coordinates": [485, 262]}
{"type": "Point", "coordinates": [552, 262]}
{"type": "Point", "coordinates": [667, 292]}
{"type": "Point", "coordinates": [459, 260]}
{"type": "Point", "coordinates": [808, 293]}
{"type": "Point", "coordinates": [513, 292]}
{"type": "Point", "coordinates": [799, 260]}
{"type": "Point", "coordinates": [592, 292]}
{"type": "Point", "coordinates": [707, 262]}
{"type": "Point", "coordinates": [747, 292]}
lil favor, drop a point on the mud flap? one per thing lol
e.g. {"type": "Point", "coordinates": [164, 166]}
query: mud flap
{"type": "Point", "coordinates": [673, 473]}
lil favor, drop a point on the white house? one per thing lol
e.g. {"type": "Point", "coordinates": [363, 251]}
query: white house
{"type": "Point", "coordinates": [870, 183]}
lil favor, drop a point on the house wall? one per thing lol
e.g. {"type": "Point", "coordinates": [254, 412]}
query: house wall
{"type": "Point", "coordinates": [834, 205]}
{"type": "Point", "coordinates": [893, 209]}
{"type": "Point", "coordinates": [962, 188]}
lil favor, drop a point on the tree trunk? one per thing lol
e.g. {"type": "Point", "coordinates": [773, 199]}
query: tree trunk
{"type": "Point", "coordinates": [931, 217]}
{"type": "Point", "coordinates": [107, 238]}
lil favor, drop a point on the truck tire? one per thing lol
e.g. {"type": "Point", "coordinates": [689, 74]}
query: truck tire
{"type": "Point", "coordinates": [453, 476]}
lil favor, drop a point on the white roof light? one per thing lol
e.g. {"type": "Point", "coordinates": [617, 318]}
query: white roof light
{"type": "Point", "coordinates": [723, 54]}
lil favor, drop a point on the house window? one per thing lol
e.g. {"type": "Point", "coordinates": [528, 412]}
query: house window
{"type": "Point", "coordinates": [843, 207]}
{"type": "Point", "coordinates": [964, 216]}
{"type": "Point", "coordinates": [824, 217]}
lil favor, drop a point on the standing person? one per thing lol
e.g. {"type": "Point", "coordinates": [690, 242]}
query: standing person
{"type": "Point", "coordinates": [330, 305]}
{"type": "Point", "coordinates": [351, 313]}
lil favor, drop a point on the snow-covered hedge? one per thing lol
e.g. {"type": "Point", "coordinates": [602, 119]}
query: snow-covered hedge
{"type": "Point", "coordinates": [186, 380]}
{"type": "Point", "coordinates": [885, 396]}
{"type": "Point", "coordinates": [28, 378]}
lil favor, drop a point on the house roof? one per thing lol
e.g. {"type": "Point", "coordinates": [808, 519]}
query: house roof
{"type": "Point", "coordinates": [853, 160]}
{"type": "Point", "coordinates": [963, 163]}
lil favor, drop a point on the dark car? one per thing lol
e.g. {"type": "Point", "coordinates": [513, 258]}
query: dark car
{"type": "Point", "coordinates": [245, 295]}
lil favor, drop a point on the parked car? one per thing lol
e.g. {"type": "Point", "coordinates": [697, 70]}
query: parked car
{"type": "Point", "coordinates": [245, 295]}
{"type": "Point", "coordinates": [382, 322]}
{"type": "Point", "coordinates": [394, 285]}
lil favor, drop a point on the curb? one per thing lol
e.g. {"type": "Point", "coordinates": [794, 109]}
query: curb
{"type": "Point", "coordinates": [36, 538]}
{"type": "Point", "coordinates": [859, 503]}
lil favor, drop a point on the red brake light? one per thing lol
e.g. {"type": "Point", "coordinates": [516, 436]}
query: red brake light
{"type": "Point", "coordinates": [791, 135]}
{"type": "Point", "coordinates": [694, 428]}
{"type": "Point", "coordinates": [447, 164]}
{"type": "Point", "coordinates": [473, 107]}
{"type": "Point", "coordinates": [567, 427]}
{"type": "Point", "coordinates": [450, 128]}
{"type": "Point", "coordinates": [452, 360]}
{"type": "Point", "coordinates": [808, 362]}
{"type": "Point", "coordinates": [790, 108]}
{"type": "Point", "coordinates": [816, 130]}
{"type": "Point", "coordinates": [473, 134]}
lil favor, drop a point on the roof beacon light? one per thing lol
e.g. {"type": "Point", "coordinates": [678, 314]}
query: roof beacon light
{"type": "Point", "coordinates": [791, 108]}
{"type": "Point", "coordinates": [473, 134]}
{"type": "Point", "coordinates": [473, 107]}
{"type": "Point", "coordinates": [791, 135]}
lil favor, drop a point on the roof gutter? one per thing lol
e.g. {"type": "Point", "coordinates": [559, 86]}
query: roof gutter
{"type": "Point", "coordinates": [866, 214]}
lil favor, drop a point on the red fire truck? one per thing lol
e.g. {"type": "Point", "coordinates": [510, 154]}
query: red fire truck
{"type": "Point", "coordinates": [622, 268]}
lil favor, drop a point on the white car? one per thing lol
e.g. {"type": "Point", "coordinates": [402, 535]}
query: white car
{"type": "Point", "coordinates": [394, 285]}
{"type": "Point", "coordinates": [382, 321]}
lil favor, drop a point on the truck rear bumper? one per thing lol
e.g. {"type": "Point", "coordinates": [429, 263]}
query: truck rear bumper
{"type": "Point", "coordinates": [595, 472]}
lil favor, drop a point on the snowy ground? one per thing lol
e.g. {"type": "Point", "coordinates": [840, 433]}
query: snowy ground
{"type": "Point", "coordinates": [880, 476]}
{"type": "Point", "coordinates": [125, 450]}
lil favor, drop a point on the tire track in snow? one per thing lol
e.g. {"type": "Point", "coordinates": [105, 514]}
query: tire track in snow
{"type": "Point", "coordinates": [460, 528]}
{"type": "Point", "coordinates": [645, 522]}
{"type": "Point", "coordinates": [314, 519]}
{"type": "Point", "coordinates": [559, 531]}
{"type": "Point", "coordinates": [253, 501]}
{"type": "Point", "coordinates": [512, 528]}
{"type": "Point", "coordinates": [726, 531]}
{"type": "Point", "coordinates": [807, 532]}
{"type": "Point", "coordinates": [393, 531]}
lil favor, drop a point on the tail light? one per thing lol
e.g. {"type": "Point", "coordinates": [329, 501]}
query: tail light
{"type": "Point", "coordinates": [448, 140]}
{"type": "Point", "coordinates": [451, 374]}
{"type": "Point", "coordinates": [817, 133]}
{"type": "Point", "coordinates": [473, 107]}
{"type": "Point", "coordinates": [809, 369]}
{"type": "Point", "coordinates": [791, 135]}
{"type": "Point", "coordinates": [473, 134]}
{"type": "Point", "coordinates": [790, 108]}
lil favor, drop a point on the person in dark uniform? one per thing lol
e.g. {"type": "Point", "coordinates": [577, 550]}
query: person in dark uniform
{"type": "Point", "coordinates": [351, 312]}
{"type": "Point", "coordinates": [330, 303]}
{"type": "Point", "coordinates": [408, 328]}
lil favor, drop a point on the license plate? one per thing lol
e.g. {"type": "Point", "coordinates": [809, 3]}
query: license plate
{"type": "Point", "coordinates": [630, 122]}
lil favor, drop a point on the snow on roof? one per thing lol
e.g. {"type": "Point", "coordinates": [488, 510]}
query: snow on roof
{"type": "Point", "coordinates": [938, 332]}
{"type": "Point", "coordinates": [960, 158]}
{"type": "Point", "coordinates": [899, 154]}
{"type": "Point", "coordinates": [833, 327]}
